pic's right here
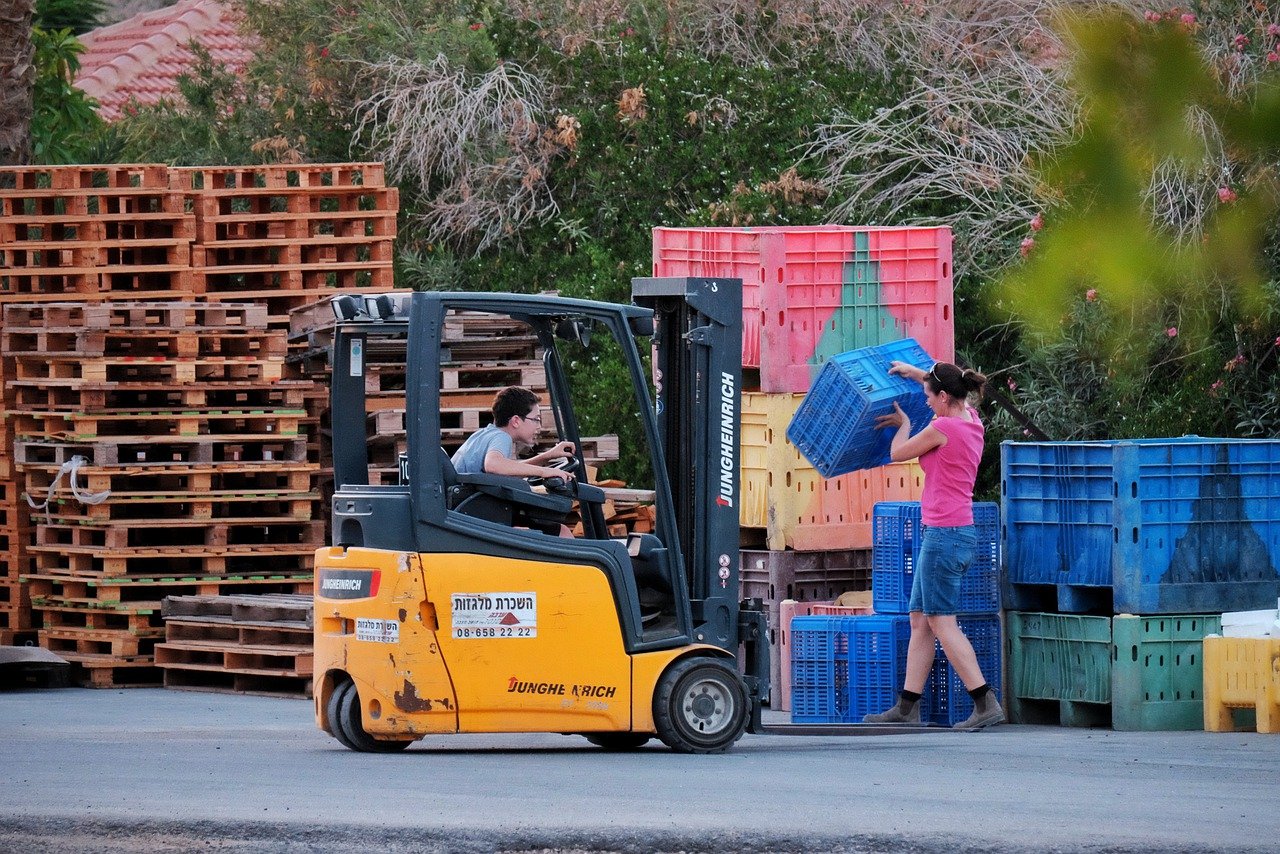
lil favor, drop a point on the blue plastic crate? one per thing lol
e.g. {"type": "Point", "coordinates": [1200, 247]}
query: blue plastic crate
{"type": "Point", "coordinates": [895, 531]}
{"type": "Point", "coordinates": [845, 667]}
{"type": "Point", "coordinates": [834, 426]}
{"type": "Point", "coordinates": [877, 662]}
{"type": "Point", "coordinates": [1162, 526]}
{"type": "Point", "coordinates": [819, 670]}
{"type": "Point", "coordinates": [946, 701]}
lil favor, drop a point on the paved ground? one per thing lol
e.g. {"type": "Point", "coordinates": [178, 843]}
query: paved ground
{"type": "Point", "coordinates": [156, 770]}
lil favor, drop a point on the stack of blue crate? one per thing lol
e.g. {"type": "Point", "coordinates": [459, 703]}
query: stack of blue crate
{"type": "Point", "coordinates": [895, 554]}
{"type": "Point", "coordinates": [846, 667]}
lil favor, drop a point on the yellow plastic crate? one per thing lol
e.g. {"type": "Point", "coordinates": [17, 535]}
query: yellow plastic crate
{"type": "Point", "coordinates": [1241, 673]}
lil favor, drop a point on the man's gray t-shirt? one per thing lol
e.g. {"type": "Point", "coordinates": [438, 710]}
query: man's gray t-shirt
{"type": "Point", "coordinates": [469, 459]}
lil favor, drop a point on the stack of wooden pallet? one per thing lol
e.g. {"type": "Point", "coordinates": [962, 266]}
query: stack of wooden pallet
{"type": "Point", "coordinates": [253, 644]}
{"type": "Point", "coordinates": [185, 412]}
{"type": "Point", "coordinates": [164, 449]}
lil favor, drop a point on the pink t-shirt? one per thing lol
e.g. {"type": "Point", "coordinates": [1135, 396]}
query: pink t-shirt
{"type": "Point", "coordinates": [949, 472]}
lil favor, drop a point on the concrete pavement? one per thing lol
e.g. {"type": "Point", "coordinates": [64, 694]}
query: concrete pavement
{"type": "Point", "coordinates": [163, 770]}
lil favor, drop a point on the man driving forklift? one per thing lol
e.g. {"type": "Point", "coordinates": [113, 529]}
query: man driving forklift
{"type": "Point", "coordinates": [517, 420]}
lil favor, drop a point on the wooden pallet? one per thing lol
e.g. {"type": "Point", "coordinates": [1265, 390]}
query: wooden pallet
{"type": "Point", "coordinates": [295, 609]}
{"type": "Point", "coordinates": [164, 451]}
{"type": "Point", "coordinates": [137, 593]}
{"type": "Point", "coordinates": [165, 371]}
{"type": "Point", "coordinates": [224, 482]}
{"type": "Point", "coordinates": [198, 561]}
{"type": "Point", "coordinates": [76, 642]}
{"type": "Point", "coordinates": [142, 343]}
{"type": "Point", "coordinates": [150, 425]}
{"type": "Point", "coordinates": [106, 671]}
{"type": "Point", "coordinates": [216, 179]}
{"type": "Point", "coordinates": [135, 317]}
{"type": "Point", "coordinates": [78, 396]}
{"type": "Point", "coordinates": [141, 622]}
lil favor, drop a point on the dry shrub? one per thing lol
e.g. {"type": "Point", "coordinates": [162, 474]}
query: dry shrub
{"type": "Point", "coordinates": [989, 96]}
{"type": "Point", "coordinates": [474, 142]}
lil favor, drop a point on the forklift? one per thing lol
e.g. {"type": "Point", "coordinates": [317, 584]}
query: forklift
{"type": "Point", "coordinates": [448, 604]}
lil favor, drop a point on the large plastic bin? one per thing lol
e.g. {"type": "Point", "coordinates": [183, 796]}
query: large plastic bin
{"type": "Point", "coordinates": [1144, 526]}
{"type": "Point", "coordinates": [1133, 672]}
{"type": "Point", "coordinates": [895, 551]}
{"type": "Point", "coordinates": [834, 428]}
{"type": "Point", "coordinates": [811, 292]}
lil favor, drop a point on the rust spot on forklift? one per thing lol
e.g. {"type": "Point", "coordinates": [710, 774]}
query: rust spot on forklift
{"type": "Point", "coordinates": [409, 701]}
{"type": "Point", "coordinates": [404, 615]}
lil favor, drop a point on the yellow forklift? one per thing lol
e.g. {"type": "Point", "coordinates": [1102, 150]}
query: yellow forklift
{"type": "Point", "coordinates": [447, 603]}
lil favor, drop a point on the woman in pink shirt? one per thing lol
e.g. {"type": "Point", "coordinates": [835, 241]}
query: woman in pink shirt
{"type": "Point", "coordinates": [949, 450]}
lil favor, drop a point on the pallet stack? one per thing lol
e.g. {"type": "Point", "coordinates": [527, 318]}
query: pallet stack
{"type": "Point", "coordinates": [255, 644]}
{"type": "Point", "coordinates": [809, 294]}
{"type": "Point", "coordinates": [284, 236]}
{"type": "Point", "coordinates": [87, 234]}
{"type": "Point", "coordinates": [145, 326]}
{"type": "Point", "coordinates": [165, 450]}
{"type": "Point", "coordinates": [1120, 557]}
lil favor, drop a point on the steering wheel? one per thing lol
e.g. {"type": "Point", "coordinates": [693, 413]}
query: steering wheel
{"type": "Point", "coordinates": [564, 464]}
{"type": "Point", "coordinates": [556, 485]}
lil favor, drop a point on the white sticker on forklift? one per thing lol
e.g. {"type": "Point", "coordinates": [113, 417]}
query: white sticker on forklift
{"type": "Point", "coordinates": [495, 615]}
{"type": "Point", "coordinates": [377, 631]}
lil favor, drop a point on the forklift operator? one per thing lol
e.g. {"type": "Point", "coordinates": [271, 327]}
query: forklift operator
{"type": "Point", "coordinates": [492, 449]}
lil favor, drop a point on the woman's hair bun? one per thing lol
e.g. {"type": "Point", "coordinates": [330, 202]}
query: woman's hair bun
{"type": "Point", "coordinates": [973, 381]}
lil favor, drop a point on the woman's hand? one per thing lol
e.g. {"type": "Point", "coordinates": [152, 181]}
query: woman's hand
{"type": "Point", "coordinates": [903, 369]}
{"type": "Point", "coordinates": [895, 419]}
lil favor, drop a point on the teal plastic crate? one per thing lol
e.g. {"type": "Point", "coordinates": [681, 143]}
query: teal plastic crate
{"type": "Point", "coordinates": [1157, 674]}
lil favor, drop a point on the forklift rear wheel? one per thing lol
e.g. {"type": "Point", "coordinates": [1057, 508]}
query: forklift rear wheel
{"type": "Point", "coordinates": [332, 711]}
{"type": "Point", "coordinates": [618, 741]}
{"type": "Point", "coordinates": [348, 719]}
{"type": "Point", "coordinates": [700, 706]}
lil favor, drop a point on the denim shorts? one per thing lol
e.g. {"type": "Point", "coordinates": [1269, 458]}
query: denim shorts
{"type": "Point", "coordinates": [945, 554]}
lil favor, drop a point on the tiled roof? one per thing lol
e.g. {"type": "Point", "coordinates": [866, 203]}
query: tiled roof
{"type": "Point", "coordinates": [141, 58]}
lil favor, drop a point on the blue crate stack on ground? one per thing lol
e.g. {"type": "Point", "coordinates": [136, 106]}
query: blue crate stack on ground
{"type": "Point", "coordinates": [896, 549]}
{"type": "Point", "coordinates": [845, 667]}
{"type": "Point", "coordinates": [895, 553]}
{"type": "Point", "coordinates": [834, 427]}
{"type": "Point", "coordinates": [1183, 527]}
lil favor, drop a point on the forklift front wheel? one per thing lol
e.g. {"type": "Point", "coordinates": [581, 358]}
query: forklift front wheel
{"type": "Point", "coordinates": [344, 717]}
{"type": "Point", "coordinates": [700, 706]}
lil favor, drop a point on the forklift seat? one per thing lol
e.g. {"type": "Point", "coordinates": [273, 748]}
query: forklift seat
{"type": "Point", "coordinates": [503, 499]}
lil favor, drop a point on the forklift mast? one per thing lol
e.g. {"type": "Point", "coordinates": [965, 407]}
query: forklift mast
{"type": "Point", "coordinates": [698, 378]}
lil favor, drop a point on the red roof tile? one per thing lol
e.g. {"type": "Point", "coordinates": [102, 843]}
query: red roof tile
{"type": "Point", "coordinates": [141, 59]}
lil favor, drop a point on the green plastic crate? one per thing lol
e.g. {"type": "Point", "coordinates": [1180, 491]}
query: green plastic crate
{"type": "Point", "coordinates": [1136, 673]}
{"type": "Point", "coordinates": [1157, 676]}
{"type": "Point", "coordinates": [1059, 668]}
